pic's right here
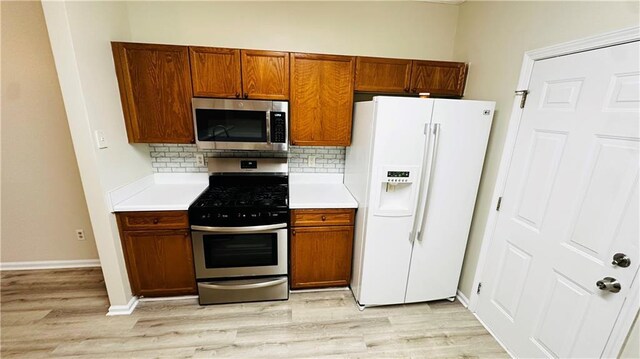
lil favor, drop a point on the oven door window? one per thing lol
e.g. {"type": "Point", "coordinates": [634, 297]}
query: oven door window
{"type": "Point", "coordinates": [231, 125]}
{"type": "Point", "coordinates": [240, 250]}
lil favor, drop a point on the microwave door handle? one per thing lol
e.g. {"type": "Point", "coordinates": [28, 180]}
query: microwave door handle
{"type": "Point", "coordinates": [268, 127]}
{"type": "Point", "coordinates": [427, 184]}
{"type": "Point", "coordinates": [267, 227]}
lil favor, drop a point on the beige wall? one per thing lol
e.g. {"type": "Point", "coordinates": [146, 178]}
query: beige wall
{"type": "Point", "coordinates": [493, 37]}
{"type": "Point", "coordinates": [410, 29]}
{"type": "Point", "coordinates": [42, 198]}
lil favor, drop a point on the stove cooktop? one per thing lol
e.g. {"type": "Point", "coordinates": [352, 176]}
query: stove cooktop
{"type": "Point", "coordinates": [253, 197]}
{"type": "Point", "coordinates": [242, 201]}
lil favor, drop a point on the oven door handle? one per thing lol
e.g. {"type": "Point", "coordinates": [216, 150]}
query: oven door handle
{"type": "Point", "coordinates": [270, 283]}
{"type": "Point", "coordinates": [267, 227]}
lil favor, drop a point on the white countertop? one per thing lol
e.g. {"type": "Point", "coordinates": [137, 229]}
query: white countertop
{"type": "Point", "coordinates": [159, 192]}
{"type": "Point", "coordinates": [175, 192]}
{"type": "Point", "coordinates": [313, 190]}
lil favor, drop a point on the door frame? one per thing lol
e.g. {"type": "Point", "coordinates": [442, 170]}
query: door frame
{"type": "Point", "coordinates": [618, 37]}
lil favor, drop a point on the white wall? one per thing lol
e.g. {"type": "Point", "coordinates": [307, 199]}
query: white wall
{"type": "Point", "coordinates": [493, 37]}
{"type": "Point", "coordinates": [409, 29]}
{"type": "Point", "coordinates": [43, 199]}
{"type": "Point", "coordinates": [80, 34]}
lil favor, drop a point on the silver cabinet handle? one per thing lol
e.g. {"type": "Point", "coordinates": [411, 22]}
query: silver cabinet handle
{"type": "Point", "coordinates": [270, 283]}
{"type": "Point", "coordinates": [239, 229]}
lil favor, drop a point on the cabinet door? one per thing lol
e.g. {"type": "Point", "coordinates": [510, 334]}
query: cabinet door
{"type": "Point", "coordinates": [265, 75]}
{"type": "Point", "coordinates": [439, 77]}
{"type": "Point", "coordinates": [321, 99]}
{"type": "Point", "coordinates": [215, 72]}
{"type": "Point", "coordinates": [155, 89]}
{"type": "Point", "coordinates": [160, 263]}
{"type": "Point", "coordinates": [374, 74]}
{"type": "Point", "coordinates": [321, 256]}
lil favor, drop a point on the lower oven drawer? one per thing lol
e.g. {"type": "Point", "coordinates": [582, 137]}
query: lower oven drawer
{"type": "Point", "coordinates": [243, 290]}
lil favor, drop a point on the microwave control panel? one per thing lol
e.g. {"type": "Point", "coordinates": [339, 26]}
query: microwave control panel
{"type": "Point", "coordinates": [278, 127]}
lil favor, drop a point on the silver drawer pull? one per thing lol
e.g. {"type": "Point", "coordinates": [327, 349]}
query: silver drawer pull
{"type": "Point", "coordinates": [270, 283]}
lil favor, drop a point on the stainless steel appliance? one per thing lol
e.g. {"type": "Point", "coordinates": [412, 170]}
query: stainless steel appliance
{"type": "Point", "coordinates": [241, 124]}
{"type": "Point", "coordinates": [239, 231]}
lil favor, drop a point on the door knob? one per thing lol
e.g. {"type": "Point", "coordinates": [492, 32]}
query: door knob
{"type": "Point", "coordinates": [621, 260]}
{"type": "Point", "coordinates": [610, 284]}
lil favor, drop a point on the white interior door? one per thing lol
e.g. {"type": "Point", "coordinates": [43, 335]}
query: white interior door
{"type": "Point", "coordinates": [570, 203]}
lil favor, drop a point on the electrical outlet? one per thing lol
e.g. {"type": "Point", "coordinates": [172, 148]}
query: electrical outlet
{"type": "Point", "coordinates": [101, 140]}
{"type": "Point", "coordinates": [311, 161]}
{"type": "Point", "coordinates": [80, 234]}
{"type": "Point", "coordinates": [199, 159]}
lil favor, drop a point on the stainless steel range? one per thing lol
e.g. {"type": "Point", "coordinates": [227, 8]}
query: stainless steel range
{"type": "Point", "coordinates": [239, 231]}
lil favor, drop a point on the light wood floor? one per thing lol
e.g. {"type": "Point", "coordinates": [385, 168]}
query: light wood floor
{"type": "Point", "coordinates": [61, 313]}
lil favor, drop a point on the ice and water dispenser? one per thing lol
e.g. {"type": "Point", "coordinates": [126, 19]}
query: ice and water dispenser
{"type": "Point", "coordinates": [396, 191]}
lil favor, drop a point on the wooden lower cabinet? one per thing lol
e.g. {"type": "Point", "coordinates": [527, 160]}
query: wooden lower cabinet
{"type": "Point", "coordinates": [159, 261]}
{"type": "Point", "coordinates": [321, 253]}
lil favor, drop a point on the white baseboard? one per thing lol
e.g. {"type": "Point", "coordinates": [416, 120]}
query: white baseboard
{"type": "Point", "coordinates": [162, 299]}
{"type": "Point", "coordinates": [123, 309]}
{"type": "Point", "coordinates": [462, 299]}
{"type": "Point", "coordinates": [81, 263]}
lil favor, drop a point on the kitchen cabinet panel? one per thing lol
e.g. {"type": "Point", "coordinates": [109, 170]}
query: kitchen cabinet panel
{"type": "Point", "coordinates": [322, 217]}
{"type": "Point", "coordinates": [321, 256]}
{"type": "Point", "coordinates": [155, 90]}
{"type": "Point", "coordinates": [439, 78]}
{"type": "Point", "coordinates": [215, 72]}
{"type": "Point", "coordinates": [265, 75]}
{"type": "Point", "coordinates": [154, 220]}
{"type": "Point", "coordinates": [321, 99]}
{"type": "Point", "coordinates": [375, 74]}
{"type": "Point", "coordinates": [160, 262]}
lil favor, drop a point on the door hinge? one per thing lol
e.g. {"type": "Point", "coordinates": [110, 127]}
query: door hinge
{"type": "Point", "coordinates": [499, 203]}
{"type": "Point", "coordinates": [479, 287]}
{"type": "Point", "coordinates": [523, 99]}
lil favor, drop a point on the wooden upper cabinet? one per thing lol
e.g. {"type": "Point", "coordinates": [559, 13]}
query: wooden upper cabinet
{"type": "Point", "coordinates": [155, 90]}
{"type": "Point", "coordinates": [215, 72]}
{"type": "Point", "coordinates": [374, 74]}
{"type": "Point", "coordinates": [439, 77]}
{"type": "Point", "coordinates": [265, 74]}
{"type": "Point", "coordinates": [321, 99]}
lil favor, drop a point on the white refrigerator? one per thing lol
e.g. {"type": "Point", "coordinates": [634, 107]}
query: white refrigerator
{"type": "Point", "coordinates": [414, 167]}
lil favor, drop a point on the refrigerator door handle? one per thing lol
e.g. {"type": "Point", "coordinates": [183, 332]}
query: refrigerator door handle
{"type": "Point", "coordinates": [428, 152]}
{"type": "Point", "coordinates": [435, 129]}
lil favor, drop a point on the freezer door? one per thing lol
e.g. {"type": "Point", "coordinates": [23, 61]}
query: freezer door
{"type": "Point", "coordinates": [396, 165]}
{"type": "Point", "coordinates": [462, 133]}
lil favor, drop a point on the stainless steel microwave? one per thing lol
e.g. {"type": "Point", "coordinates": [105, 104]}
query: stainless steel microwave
{"type": "Point", "coordinates": [241, 124]}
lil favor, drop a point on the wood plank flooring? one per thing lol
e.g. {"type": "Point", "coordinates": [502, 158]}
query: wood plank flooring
{"type": "Point", "coordinates": [61, 313]}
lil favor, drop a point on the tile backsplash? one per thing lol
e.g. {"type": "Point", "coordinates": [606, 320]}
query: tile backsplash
{"type": "Point", "coordinates": [181, 158]}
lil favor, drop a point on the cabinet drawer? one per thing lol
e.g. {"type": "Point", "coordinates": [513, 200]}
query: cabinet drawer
{"type": "Point", "coordinates": [153, 220]}
{"type": "Point", "coordinates": [322, 217]}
